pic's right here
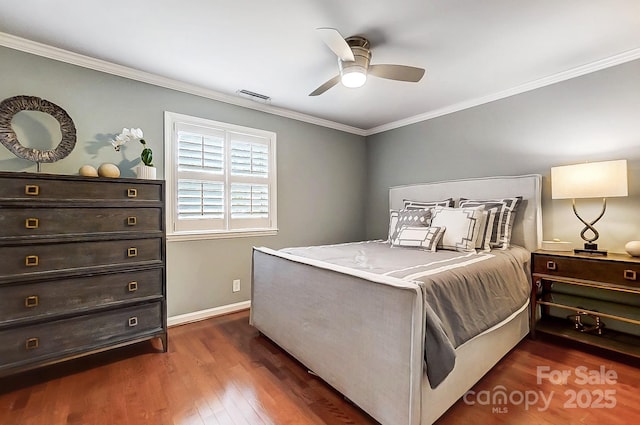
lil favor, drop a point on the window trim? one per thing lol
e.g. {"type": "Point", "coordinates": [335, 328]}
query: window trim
{"type": "Point", "coordinates": [170, 152]}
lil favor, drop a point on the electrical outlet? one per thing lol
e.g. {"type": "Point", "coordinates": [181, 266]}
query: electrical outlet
{"type": "Point", "coordinates": [236, 285]}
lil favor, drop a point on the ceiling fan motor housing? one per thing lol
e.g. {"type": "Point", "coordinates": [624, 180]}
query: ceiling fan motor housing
{"type": "Point", "coordinates": [354, 74]}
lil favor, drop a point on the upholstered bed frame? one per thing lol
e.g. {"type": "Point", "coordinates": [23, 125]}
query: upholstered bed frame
{"type": "Point", "coordinates": [332, 322]}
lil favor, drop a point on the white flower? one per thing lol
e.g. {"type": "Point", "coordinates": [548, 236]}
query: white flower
{"type": "Point", "coordinates": [136, 133]}
{"type": "Point", "coordinates": [126, 136]}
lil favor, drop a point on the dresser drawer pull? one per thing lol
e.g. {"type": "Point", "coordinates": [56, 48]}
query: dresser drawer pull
{"type": "Point", "coordinates": [133, 286]}
{"type": "Point", "coordinates": [31, 260]}
{"type": "Point", "coordinates": [630, 274]}
{"type": "Point", "coordinates": [132, 193]}
{"type": "Point", "coordinates": [133, 321]}
{"type": "Point", "coordinates": [32, 343]}
{"type": "Point", "coordinates": [32, 189]}
{"type": "Point", "coordinates": [551, 265]}
{"type": "Point", "coordinates": [31, 301]}
{"type": "Point", "coordinates": [132, 252]}
{"type": "Point", "coordinates": [132, 221]}
{"type": "Point", "coordinates": [31, 223]}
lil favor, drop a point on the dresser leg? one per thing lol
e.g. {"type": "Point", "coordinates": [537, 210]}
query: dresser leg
{"type": "Point", "coordinates": [165, 341]}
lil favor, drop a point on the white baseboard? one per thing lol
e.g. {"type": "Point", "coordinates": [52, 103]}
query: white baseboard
{"type": "Point", "coordinates": [207, 314]}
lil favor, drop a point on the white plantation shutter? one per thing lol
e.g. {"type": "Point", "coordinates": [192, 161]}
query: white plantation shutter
{"type": "Point", "coordinates": [200, 153]}
{"type": "Point", "coordinates": [249, 156]}
{"type": "Point", "coordinates": [249, 178]}
{"type": "Point", "coordinates": [200, 199]}
{"type": "Point", "coordinates": [224, 177]}
{"type": "Point", "coordinates": [249, 200]}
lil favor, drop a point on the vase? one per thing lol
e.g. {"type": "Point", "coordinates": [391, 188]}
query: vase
{"type": "Point", "coordinates": [146, 172]}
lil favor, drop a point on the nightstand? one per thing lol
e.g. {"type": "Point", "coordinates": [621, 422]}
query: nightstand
{"type": "Point", "coordinates": [593, 300]}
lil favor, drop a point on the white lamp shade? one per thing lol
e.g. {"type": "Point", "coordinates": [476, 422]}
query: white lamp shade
{"type": "Point", "coordinates": [590, 180]}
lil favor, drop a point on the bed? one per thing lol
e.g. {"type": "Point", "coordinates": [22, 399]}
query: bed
{"type": "Point", "coordinates": [368, 332]}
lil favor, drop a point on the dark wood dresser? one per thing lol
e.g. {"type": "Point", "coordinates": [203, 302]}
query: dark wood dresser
{"type": "Point", "coordinates": [82, 266]}
{"type": "Point", "coordinates": [591, 299]}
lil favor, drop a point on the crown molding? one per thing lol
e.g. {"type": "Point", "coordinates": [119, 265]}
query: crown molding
{"type": "Point", "coordinates": [44, 50]}
{"type": "Point", "coordinates": [55, 53]}
{"type": "Point", "coordinates": [618, 59]}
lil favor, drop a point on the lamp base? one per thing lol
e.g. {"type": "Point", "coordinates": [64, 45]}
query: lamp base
{"type": "Point", "coordinates": [590, 249]}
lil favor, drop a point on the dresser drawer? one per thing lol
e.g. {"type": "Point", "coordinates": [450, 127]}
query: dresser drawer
{"type": "Point", "coordinates": [42, 258]}
{"type": "Point", "coordinates": [614, 272]}
{"type": "Point", "coordinates": [18, 187]}
{"type": "Point", "coordinates": [20, 222]}
{"type": "Point", "coordinates": [33, 301]}
{"type": "Point", "coordinates": [19, 346]}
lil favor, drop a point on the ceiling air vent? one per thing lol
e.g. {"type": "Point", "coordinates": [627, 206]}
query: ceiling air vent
{"type": "Point", "coordinates": [254, 96]}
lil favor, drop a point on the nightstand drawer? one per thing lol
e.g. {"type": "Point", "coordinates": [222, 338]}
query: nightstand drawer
{"type": "Point", "coordinates": [20, 222]}
{"type": "Point", "coordinates": [49, 340]}
{"type": "Point", "coordinates": [34, 301]}
{"type": "Point", "coordinates": [598, 270]}
{"type": "Point", "coordinates": [66, 190]}
{"type": "Point", "coordinates": [38, 259]}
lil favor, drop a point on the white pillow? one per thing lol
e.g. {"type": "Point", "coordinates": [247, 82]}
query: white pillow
{"type": "Point", "coordinates": [463, 226]}
{"type": "Point", "coordinates": [426, 238]}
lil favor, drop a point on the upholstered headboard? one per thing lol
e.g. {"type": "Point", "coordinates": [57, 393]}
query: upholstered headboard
{"type": "Point", "coordinates": [527, 229]}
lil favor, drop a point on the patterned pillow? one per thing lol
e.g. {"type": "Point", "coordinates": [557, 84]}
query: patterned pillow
{"type": "Point", "coordinates": [426, 238]}
{"type": "Point", "coordinates": [501, 214]}
{"type": "Point", "coordinates": [482, 243]}
{"type": "Point", "coordinates": [462, 224]}
{"type": "Point", "coordinates": [415, 218]}
{"type": "Point", "coordinates": [419, 205]}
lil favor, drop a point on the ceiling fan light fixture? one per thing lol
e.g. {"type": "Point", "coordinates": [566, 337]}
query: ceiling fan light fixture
{"type": "Point", "coordinates": [353, 76]}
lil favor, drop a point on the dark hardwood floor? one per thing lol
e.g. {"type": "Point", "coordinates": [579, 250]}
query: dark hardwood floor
{"type": "Point", "coordinates": [221, 371]}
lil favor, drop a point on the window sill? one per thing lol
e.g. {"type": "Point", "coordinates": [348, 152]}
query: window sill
{"type": "Point", "coordinates": [198, 236]}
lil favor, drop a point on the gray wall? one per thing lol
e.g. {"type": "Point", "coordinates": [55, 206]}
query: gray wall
{"type": "Point", "coordinates": [321, 172]}
{"type": "Point", "coordinates": [331, 184]}
{"type": "Point", "coordinates": [593, 117]}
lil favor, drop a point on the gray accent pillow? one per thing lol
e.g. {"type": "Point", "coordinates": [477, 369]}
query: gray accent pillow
{"type": "Point", "coordinates": [401, 218]}
{"type": "Point", "coordinates": [500, 218]}
{"type": "Point", "coordinates": [419, 205]}
{"type": "Point", "coordinates": [426, 238]}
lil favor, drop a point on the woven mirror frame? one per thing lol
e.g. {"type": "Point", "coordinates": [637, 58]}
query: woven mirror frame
{"type": "Point", "coordinates": [12, 105]}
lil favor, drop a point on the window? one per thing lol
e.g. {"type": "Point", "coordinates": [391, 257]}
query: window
{"type": "Point", "coordinates": [221, 179]}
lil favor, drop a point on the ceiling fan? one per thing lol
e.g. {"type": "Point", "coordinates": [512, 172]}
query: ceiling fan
{"type": "Point", "coordinates": [354, 56]}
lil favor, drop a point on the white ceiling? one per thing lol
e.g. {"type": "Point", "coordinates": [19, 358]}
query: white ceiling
{"type": "Point", "coordinates": [472, 50]}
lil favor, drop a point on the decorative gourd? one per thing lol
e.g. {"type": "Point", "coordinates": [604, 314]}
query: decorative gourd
{"type": "Point", "coordinates": [108, 170]}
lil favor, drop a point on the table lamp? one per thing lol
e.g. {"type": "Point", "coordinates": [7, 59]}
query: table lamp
{"type": "Point", "coordinates": [590, 180]}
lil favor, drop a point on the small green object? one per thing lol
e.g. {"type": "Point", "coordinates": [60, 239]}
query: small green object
{"type": "Point", "coordinates": [146, 155]}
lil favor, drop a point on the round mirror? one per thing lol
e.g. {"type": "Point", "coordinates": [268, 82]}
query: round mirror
{"type": "Point", "coordinates": [40, 129]}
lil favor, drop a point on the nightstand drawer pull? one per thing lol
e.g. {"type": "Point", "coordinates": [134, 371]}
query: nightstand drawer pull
{"type": "Point", "coordinates": [31, 223]}
{"type": "Point", "coordinates": [132, 221]}
{"type": "Point", "coordinates": [630, 274]}
{"type": "Point", "coordinates": [133, 286]}
{"type": "Point", "coordinates": [133, 321]}
{"type": "Point", "coordinates": [31, 301]}
{"type": "Point", "coordinates": [32, 189]}
{"type": "Point", "coordinates": [32, 343]}
{"type": "Point", "coordinates": [132, 193]}
{"type": "Point", "coordinates": [132, 252]}
{"type": "Point", "coordinates": [31, 260]}
{"type": "Point", "coordinates": [551, 265]}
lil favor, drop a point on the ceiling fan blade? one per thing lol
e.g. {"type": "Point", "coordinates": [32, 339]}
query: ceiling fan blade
{"type": "Point", "coordinates": [336, 43]}
{"type": "Point", "coordinates": [397, 72]}
{"type": "Point", "coordinates": [326, 86]}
